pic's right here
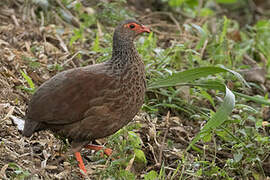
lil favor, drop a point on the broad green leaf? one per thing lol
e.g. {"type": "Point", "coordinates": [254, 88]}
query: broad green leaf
{"type": "Point", "coordinates": [191, 75]}
{"type": "Point", "coordinates": [217, 85]}
{"type": "Point", "coordinates": [218, 118]}
{"type": "Point", "coordinates": [210, 84]}
{"type": "Point", "coordinates": [186, 76]}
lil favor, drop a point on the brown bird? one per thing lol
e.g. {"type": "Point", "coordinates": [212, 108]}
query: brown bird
{"type": "Point", "coordinates": [87, 103]}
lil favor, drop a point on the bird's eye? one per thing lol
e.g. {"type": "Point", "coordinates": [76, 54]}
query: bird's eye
{"type": "Point", "coordinates": [132, 26]}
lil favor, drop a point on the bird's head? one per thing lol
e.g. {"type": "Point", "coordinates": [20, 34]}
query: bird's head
{"type": "Point", "coordinates": [130, 29]}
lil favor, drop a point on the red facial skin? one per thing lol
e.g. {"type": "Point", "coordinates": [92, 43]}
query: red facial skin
{"type": "Point", "coordinates": [137, 28]}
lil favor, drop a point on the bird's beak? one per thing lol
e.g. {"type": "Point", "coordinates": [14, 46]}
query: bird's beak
{"type": "Point", "coordinates": [144, 29]}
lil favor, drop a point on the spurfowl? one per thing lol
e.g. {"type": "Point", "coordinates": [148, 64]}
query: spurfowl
{"type": "Point", "coordinates": [86, 103]}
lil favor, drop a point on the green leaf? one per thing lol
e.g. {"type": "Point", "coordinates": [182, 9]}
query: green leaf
{"type": "Point", "coordinates": [28, 80]}
{"type": "Point", "coordinates": [78, 34]}
{"type": "Point", "coordinates": [162, 173]}
{"type": "Point", "coordinates": [175, 3]}
{"type": "Point", "coordinates": [218, 118]}
{"type": "Point", "coordinates": [213, 84]}
{"type": "Point", "coordinates": [208, 97]}
{"type": "Point", "coordinates": [134, 139]}
{"type": "Point", "coordinates": [140, 157]}
{"type": "Point", "coordinates": [152, 175]}
{"type": "Point", "coordinates": [236, 74]}
{"type": "Point", "coordinates": [191, 75]}
{"type": "Point", "coordinates": [20, 173]}
{"type": "Point", "coordinates": [237, 157]}
{"type": "Point", "coordinates": [210, 84]}
{"type": "Point", "coordinates": [185, 76]}
{"type": "Point", "coordinates": [124, 174]}
{"type": "Point", "coordinates": [256, 99]}
{"type": "Point", "coordinates": [206, 12]}
{"type": "Point", "coordinates": [226, 1]}
{"type": "Point", "coordinates": [207, 137]}
{"type": "Point", "coordinates": [96, 47]}
{"type": "Point", "coordinates": [224, 30]}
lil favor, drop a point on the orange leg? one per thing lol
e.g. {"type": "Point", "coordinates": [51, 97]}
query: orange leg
{"type": "Point", "coordinates": [78, 156]}
{"type": "Point", "coordinates": [107, 151]}
{"type": "Point", "coordinates": [80, 161]}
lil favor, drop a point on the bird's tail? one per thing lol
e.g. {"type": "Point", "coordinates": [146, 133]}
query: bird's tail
{"type": "Point", "coordinates": [26, 127]}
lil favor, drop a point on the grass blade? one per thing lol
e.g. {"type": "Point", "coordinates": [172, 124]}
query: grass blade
{"type": "Point", "coordinates": [28, 80]}
{"type": "Point", "coordinates": [218, 118]}
{"type": "Point", "coordinates": [236, 74]}
{"type": "Point", "coordinates": [191, 75]}
{"type": "Point", "coordinates": [259, 100]}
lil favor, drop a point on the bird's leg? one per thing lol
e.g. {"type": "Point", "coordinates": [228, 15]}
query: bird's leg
{"type": "Point", "coordinates": [80, 161]}
{"type": "Point", "coordinates": [107, 151]}
{"type": "Point", "coordinates": [77, 147]}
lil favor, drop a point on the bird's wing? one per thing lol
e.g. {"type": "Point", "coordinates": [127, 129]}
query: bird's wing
{"type": "Point", "coordinates": [67, 96]}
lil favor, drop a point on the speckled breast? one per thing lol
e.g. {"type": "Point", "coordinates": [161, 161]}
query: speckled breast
{"type": "Point", "coordinates": [128, 97]}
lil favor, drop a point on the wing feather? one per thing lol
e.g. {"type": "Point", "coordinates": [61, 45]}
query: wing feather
{"type": "Point", "coordinates": [66, 97]}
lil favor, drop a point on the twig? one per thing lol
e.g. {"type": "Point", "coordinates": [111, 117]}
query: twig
{"type": "Point", "coordinates": [130, 163]}
{"type": "Point", "coordinates": [57, 161]}
{"type": "Point", "coordinates": [175, 36]}
{"type": "Point", "coordinates": [175, 21]}
{"type": "Point", "coordinates": [164, 138]}
{"type": "Point", "coordinates": [204, 47]}
{"type": "Point", "coordinates": [162, 24]}
{"type": "Point", "coordinates": [15, 20]}
{"type": "Point", "coordinates": [250, 61]}
{"type": "Point", "coordinates": [200, 6]}
{"type": "Point", "coordinates": [62, 44]}
{"type": "Point", "coordinates": [42, 18]}
{"type": "Point", "coordinates": [167, 14]}
{"type": "Point", "coordinates": [10, 112]}
{"type": "Point", "coordinates": [263, 58]}
{"type": "Point", "coordinates": [162, 13]}
{"type": "Point", "coordinates": [74, 20]}
{"type": "Point", "coordinates": [153, 152]}
{"type": "Point", "coordinates": [70, 59]}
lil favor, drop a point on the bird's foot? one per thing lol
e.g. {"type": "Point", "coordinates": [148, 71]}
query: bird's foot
{"type": "Point", "coordinates": [78, 156]}
{"type": "Point", "coordinates": [107, 151]}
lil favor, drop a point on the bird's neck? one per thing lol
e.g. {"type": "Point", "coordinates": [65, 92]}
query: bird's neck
{"type": "Point", "coordinates": [124, 55]}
